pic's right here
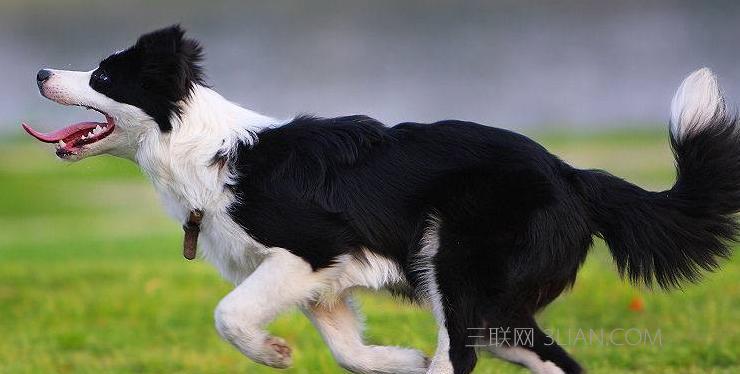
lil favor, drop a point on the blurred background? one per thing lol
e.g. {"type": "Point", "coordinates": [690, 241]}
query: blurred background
{"type": "Point", "coordinates": [91, 274]}
{"type": "Point", "coordinates": [520, 64]}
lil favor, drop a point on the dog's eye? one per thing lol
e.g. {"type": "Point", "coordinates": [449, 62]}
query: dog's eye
{"type": "Point", "coordinates": [102, 77]}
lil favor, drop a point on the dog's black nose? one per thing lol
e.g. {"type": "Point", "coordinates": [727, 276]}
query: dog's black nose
{"type": "Point", "coordinates": [42, 76]}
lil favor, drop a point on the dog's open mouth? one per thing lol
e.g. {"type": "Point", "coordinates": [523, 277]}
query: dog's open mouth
{"type": "Point", "coordinates": [72, 138]}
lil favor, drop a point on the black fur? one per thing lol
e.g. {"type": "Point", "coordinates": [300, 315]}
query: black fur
{"type": "Point", "coordinates": [516, 222]}
{"type": "Point", "coordinates": [155, 74]}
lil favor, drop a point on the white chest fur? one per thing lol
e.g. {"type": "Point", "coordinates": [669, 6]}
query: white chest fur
{"type": "Point", "coordinates": [181, 166]}
{"type": "Point", "coordinates": [221, 241]}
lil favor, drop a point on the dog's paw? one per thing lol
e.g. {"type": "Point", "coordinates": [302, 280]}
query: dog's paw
{"type": "Point", "coordinates": [548, 367]}
{"type": "Point", "coordinates": [276, 353]}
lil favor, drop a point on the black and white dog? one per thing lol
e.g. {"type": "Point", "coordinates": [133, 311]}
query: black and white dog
{"type": "Point", "coordinates": [481, 224]}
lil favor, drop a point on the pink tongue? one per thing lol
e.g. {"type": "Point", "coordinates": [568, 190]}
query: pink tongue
{"type": "Point", "coordinates": [55, 136]}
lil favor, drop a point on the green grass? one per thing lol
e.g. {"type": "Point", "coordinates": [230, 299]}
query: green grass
{"type": "Point", "coordinates": [92, 280]}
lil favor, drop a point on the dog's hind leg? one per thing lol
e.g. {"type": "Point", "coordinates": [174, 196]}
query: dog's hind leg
{"type": "Point", "coordinates": [526, 357]}
{"type": "Point", "coordinates": [341, 327]}
{"type": "Point", "coordinates": [536, 351]}
{"type": "Point", "coordinates": [281, 281]}
{"type": "Point", "coordinates": [454, 354]}
{"type": "Point", "coordinates": [439, 286]}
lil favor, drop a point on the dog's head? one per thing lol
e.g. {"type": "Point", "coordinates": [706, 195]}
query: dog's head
{"type": "Point", "coordinates": [138, 90]}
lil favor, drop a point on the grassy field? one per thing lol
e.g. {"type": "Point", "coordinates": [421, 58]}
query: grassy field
{"type": "Point", "coordinates": [92, 280]}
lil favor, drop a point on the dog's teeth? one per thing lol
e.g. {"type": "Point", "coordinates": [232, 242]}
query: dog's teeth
{"type": "Point", "coordinates": [84, 137]}
{"type": "Point", "coordinates": [61, 143]}
{"type": "Point", "coordinates": [98, 129]}
{"type": "Point", "coordinates": [90, 134]}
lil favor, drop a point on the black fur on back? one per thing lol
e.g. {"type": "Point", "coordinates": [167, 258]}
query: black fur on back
{"type": "Point", "coordinates": [323, 187]}
{"type": "Point", "coordinates": [155, 74]}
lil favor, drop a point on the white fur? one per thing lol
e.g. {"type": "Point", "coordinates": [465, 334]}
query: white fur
{"type": "Point", "coordinates": [697, 101]}
{"type": "Point", "coordinates": [424, 264]}
{"type": "Point", "coordinates": [527, 358]}
{"type": "Point", "coordinates": [341, 327]}
{"type": "Point", "coordinates": [369, 271]}
{"type": "Point", "coordinates": [180, 165]}
{"type": "Point", "coordinates": [282, 280]}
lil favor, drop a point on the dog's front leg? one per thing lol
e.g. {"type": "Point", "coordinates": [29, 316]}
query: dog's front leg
{"type": "Point", "coordinates": [281, 281]}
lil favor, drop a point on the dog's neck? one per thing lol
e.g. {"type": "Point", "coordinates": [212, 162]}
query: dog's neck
{"type": "Point", "coordinates": [183, 164]}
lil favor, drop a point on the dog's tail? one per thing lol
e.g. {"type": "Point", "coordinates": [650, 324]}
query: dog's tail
{"type": "Point", "coordinates": [671, 236]}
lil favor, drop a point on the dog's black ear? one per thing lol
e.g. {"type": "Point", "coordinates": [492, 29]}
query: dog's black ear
{"type": "Point", "coordinates": [167, 51]}
{"type": "Point", "coordinates": [170, 64]}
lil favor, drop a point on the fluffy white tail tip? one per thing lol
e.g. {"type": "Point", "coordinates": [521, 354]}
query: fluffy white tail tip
{"type": "Point", "coordinates": [697, 101]}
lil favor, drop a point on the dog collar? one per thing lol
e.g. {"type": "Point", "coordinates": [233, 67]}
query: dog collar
{"type": "Point", "coordinates": [192, 229]}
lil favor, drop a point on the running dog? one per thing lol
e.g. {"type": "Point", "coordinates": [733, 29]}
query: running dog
{"type": "Point", "coordinates": [483, 225]}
